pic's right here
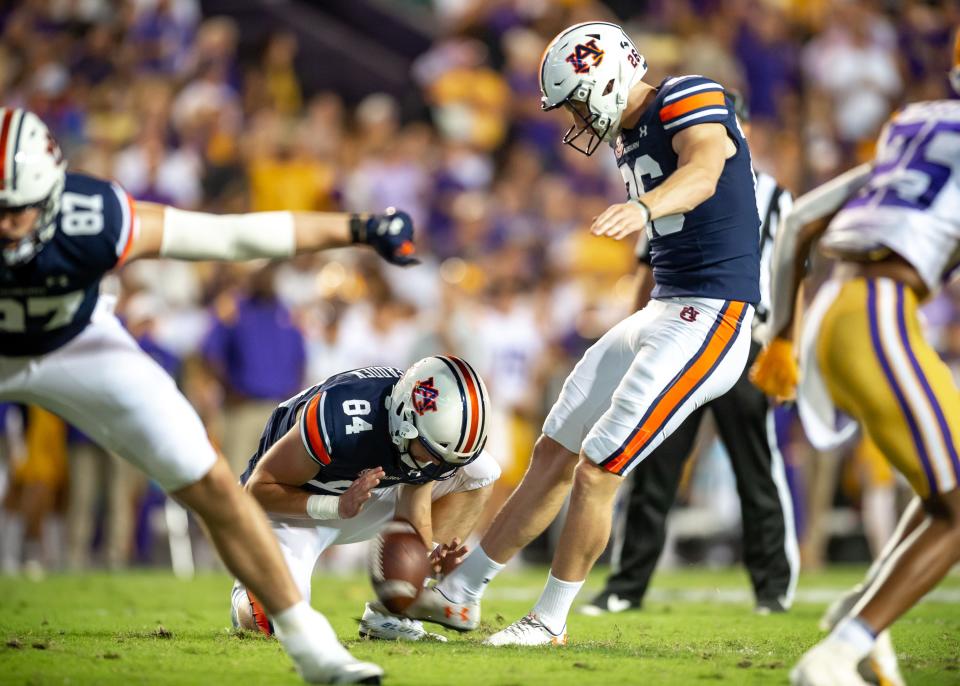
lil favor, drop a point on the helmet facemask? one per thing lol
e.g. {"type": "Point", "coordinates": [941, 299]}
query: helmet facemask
{"type": "Point", "coordinates": [590, 68]}
{"type": "Point", "coordinates": [403, 430]}
{"type": "Point", "coordinates": [597, 126]}
{"type": "Point", "coordinates": [27, 247]}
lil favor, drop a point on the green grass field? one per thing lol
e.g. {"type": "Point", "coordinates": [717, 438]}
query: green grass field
{"type": "Point", "coordinates": [150, 628]}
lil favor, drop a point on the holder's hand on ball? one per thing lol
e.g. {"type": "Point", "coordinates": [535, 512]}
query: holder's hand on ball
{"type": "Point", "coordinates": [360, 491]}
{"type": "Point", "coordinates": [447, 556]}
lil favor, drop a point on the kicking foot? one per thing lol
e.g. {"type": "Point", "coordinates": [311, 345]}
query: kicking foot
{"type": "Point", "coordinates": [378, 623]}
{"type": "Point", "coordinates": [828, 664]}
{"type": "Point", "coordinates": [434, 606]}
{"type": "Point", "coordinates": [607, 602]}
{"type": "Point", "coordinates": [528, 631]}
{"type": "Point", "coordinates": [320, 659]}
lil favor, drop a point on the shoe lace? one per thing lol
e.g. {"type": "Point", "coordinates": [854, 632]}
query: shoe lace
{"type": "Point", "coordinates": [524, 625]}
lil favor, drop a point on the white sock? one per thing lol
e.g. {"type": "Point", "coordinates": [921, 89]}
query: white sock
{"type": "Point", "coordinates": [470, 579]}
{"type": "Point", "coordinates": [855, 633]}
{"type": "Point", "coordinates": [555, 601]}
{"type": "Point", "coordinates": [296, 619]}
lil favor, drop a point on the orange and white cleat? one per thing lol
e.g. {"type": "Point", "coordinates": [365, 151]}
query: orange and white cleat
{"type": "Point", "coordinates": [434, 606]}
{"type": "Point", "coordinates": [529, 631]}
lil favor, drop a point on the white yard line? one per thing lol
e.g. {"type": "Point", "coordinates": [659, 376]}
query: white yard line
{"type": "Point", "coordinates": [818, 596]}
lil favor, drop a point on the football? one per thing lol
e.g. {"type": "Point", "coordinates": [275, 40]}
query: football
{"type": "Point", "coordinates": [399, 565]}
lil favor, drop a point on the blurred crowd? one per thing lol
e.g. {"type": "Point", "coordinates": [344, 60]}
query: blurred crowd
{"type": "Point", "coordinates": [179, 109]}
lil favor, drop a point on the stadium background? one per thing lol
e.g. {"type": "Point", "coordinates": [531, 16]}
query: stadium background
{"type": "Point", "coordinates": [432, 107]}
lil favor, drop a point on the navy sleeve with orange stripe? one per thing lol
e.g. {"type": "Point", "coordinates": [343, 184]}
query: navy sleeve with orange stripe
{"type": "Point", "coordinates": [312, 430]}
{"type": "Point", "coordinates": [688, 101]}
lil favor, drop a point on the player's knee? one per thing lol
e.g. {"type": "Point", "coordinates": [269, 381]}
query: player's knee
{"type": "Point", "coordinates": [215, 492]}
{"type": "Point", "coordinates": [591, 476]}
{"type": "Point", "coordinates": [552, 460]}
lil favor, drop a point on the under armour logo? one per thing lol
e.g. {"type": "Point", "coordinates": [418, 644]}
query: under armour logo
{"type": "Point", "coordinates": [59, 280]}
{"type": "Point", "coordinates": [689, 314]}
{"type": "Point", "coordinates": [463, 613]}
{"type": "Point", "coordinates": [641, 131]}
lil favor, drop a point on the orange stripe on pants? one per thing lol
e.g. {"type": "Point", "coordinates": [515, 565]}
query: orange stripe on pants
{"type": "Point", "coordinates": [682, 386]}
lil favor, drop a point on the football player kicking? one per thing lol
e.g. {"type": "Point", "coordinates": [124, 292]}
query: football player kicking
{"type": "Point", "coordinates": [339, 460]}
{"type": "Point", "coordinates": [62, 348]}
{"type": "Point", "coordinates": [862, 350]}
{"type": "Point", "coordinates": [680, 145]}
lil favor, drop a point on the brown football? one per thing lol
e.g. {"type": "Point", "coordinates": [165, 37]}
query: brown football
{"type": "Point", "coordinates": [399, 565]}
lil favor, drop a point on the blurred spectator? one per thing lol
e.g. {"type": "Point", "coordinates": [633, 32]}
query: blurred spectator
{"type": "Point", "coordinates": [259, 356]}
{"type": "Point", "coordinates": [204, 112]}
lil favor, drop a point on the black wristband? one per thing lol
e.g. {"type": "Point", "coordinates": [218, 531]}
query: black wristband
{"type": "Point", "coordinates": [358, 229]}
{"type": "Point", "coordinates": [642, 204]}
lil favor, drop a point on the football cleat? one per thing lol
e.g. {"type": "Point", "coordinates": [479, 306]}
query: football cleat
{"type": "Point", "coordinates": [830, 663]}
{"type": "Point", "coordinates": [528, 631]}
{"type": "Point", "coordinates": [841, 607]}
{"type": "Point", "coordinates": [607, 602]}
{"type": "Point", "coordinates": [434, 606]}
{"type": "Point", "coordinates": [377, 623]}
{"type": "Point", "coordinates": [770, 606]}
{"type": "Point", "coordinates": [320, 659]}
{"type": "Point", "coordinates": [882, 667]}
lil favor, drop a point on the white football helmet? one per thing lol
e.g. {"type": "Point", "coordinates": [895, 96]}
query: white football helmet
{"type": "Point", "coordinates": [594, 63]}
{"type": "Point", "coordinates": [32, 174]}
{"type": "Point", "coordinates": [442, 402]}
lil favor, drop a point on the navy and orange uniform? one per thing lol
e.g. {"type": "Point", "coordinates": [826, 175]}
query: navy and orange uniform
{"type": "Point", "coordinates": [711, 251]}
{"type": "Point", "coordinates": [46, 302]}
{"type": "Point", "coordinates": [344, 427]}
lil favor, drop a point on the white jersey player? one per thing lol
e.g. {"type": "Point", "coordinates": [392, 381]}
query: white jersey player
{"type": "Point", "coordinates": [63, 349]}
{"type": "Point", "coordinates": [862, 351]}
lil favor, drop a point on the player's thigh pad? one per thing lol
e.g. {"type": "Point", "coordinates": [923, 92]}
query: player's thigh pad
{"type": "Point", "coordinates": [879, 368]}
{"type": "Point", "coordinates": [478, 474]}
{"type": "Point", "coordinates": [695, 352]}
{"type": "Point", "coordinates": [106, 386]}
{"type": "Point", "coordinates": [587, 391]}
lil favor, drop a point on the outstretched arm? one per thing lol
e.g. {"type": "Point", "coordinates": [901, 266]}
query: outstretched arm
{"type": "Point", "coordinates": [168, 232]}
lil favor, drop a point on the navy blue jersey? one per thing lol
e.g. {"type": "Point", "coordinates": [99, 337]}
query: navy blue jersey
{"type": "Point", "coordinates": [344, 427]}
{"type": "Point", "coordinates": [711, 251]}
{"type": "Point", "coordinates": [47, 301]}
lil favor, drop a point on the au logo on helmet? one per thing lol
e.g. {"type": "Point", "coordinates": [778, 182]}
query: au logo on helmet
{"type": "Point", "coordinates": [583, 51]}
{"type": "Point", "coordinates": [424, 396]}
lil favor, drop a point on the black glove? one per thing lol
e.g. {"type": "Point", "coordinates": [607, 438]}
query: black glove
{"type": "Point", "coordinates": [390, 234]}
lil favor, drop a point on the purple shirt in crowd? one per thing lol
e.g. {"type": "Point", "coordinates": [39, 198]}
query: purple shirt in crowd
{"type": "Point", "coordinates": [259, 351]}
